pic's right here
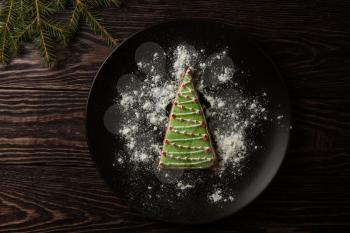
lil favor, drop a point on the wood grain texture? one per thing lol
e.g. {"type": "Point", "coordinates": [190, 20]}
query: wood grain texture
{"type": "Point", "coordinates": [43, 127]}
{"type": "Point", "coordinates": [46, 127]}
{"type": "Point", "coordinates": [49, 183]}
{"type": "Point", "coordinates": [37, 200]}
{"type": "Point", "coordinates": [310, 42]}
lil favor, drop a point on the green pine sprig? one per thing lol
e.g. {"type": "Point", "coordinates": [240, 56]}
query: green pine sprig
{"type": "Point", "coordinates": [86, 10]}
{"type": "Point", "coordinates": [23, 20]}
{"type": "Point", "coordinates": [7, 22]}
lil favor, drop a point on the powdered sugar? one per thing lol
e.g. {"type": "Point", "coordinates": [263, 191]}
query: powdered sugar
{"type": "Point", "coordinates": [182, 186]}
{"type": "Point", "coordinates": [127, 100]}
{"type": "Point", "coordinates": [216, 196]}
{"type": "Point", "coordinates": [226, 75]}
{"type": "Point", "coordinates": [219, 196]}
{"type": "Point", "coordinates": [231, 115]}
{"type": "Point", "coordinates": [229, 146]}
{"type": "Point", "coordinates": [184, 56]}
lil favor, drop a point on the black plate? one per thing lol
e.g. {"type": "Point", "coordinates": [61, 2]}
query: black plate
{"type": "Point", "coordinates": [132, 186]}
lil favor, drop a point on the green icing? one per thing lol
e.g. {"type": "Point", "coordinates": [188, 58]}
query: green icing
{"type": "Point", "coordinates": [187, 143]}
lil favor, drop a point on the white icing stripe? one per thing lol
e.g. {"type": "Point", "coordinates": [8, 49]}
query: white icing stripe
{"type": "Point", "coordinates": [187, 126]}
{"type": "Point", "coordinates": [186, 133]}
{"type": "Point", "coordinates": [184, 96]}
{"type": "Point", "coordinates": [186, 92]}
{"type": "Point", "coordinates": [198, 161]}
{"type": "Point", "coordinates": [185, 139]}
{"type": "Point", "coordinates": [187, 113]}
{"type": "Point", "coordinates": [187, 108]}
{"type": "Point", "coordinates": [185, 152]}
{"type": "Point", "coordinates": [188, 158]}
{"type": "Point", "coordinates": [186, 147]}
{"type": "Point", "coordinates": [188, 120]}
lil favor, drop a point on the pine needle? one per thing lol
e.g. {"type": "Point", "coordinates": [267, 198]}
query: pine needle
{"type": "Point", "coordinates": [22, 20]}
{"type": "Point", "coordinates": [7, 46]}
{"type": "Point", "coordinates": [95, 24]}
{"type": "Point", "coordinates": [24, 32]}
{"type": "Point", "coordinates": [85, 9]}
{"type": "Point", "coordinates": [102, 3]}
{"type": "Point", "coordinates": [43, 41]}
{"type": "Point", "coordinates": [74, 21]}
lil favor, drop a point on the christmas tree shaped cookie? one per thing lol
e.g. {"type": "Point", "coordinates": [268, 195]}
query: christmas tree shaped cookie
{"type": "Point", "coordinates": [187, 143]}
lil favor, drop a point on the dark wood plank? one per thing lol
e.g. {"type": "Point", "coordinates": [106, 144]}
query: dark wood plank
{"type": "Point", "coordinates": [66, 199]}
{"type": "Point", "coordinates": [309, 41]}
{"type": "Point", "coordinates": [44, 127]}
{"type": "Point", "coordinates": [37, 200]}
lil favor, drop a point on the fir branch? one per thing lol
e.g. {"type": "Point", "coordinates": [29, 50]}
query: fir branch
{"type": "Point", "coordinates": [43, 41]}
{"type": "Point", "coordinates": [84, 8]}
{"type": "Point", "coordinates": [55, 30]}
{"type": "Point", "coordinates": [24, 29]}
{"type": "Point", "coordinates": [45, 46]}
{"type": "Point", "coordinates": [5, 43]}
{"type": "Point", "coordinates": [24, 32]}
{"type": "Point", "coordinates": [22, 20]}
{"type": "Point", "coordinates": [10, 14]}
{"type": "Point", "coordinates": [4, 56]}
{"type": "Point", "coordinates": [95, 24]}
{"type": "Point", "coordinates": [74, 21]}
{"type": "Point", "coordinates": [58, 4]}
{"type": "Point", "coordinates": [102, 3]}
{"type": "Point", "coordinates": [21, 11]}
{"type": "Point", "coordinates": [7, 46]}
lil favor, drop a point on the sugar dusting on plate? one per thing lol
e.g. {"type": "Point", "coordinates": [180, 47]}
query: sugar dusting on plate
{"type": "Point", "coordinates": [231, 113]}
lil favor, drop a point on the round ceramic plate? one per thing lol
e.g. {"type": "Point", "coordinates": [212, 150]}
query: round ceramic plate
{"type": "Point", "coordinates": [186, 196]}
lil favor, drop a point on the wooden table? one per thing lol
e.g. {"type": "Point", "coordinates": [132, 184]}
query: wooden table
{"type": "Point", "coordinates": [49, 183]}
